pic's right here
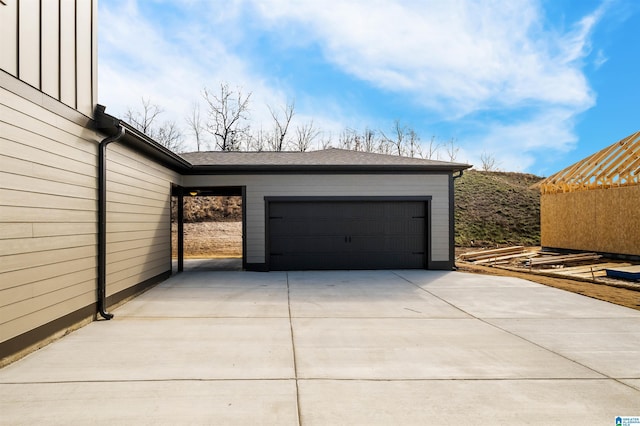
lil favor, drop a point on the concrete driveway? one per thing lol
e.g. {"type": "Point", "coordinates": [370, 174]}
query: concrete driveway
{"type": "Point", "coordinates": [329, 348]}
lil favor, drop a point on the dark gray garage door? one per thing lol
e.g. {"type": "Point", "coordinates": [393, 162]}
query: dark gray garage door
{"type": "Point", "coordinates": [347, 235]}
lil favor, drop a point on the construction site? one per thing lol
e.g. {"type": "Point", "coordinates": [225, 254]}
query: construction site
{"type": "Point", "coordinates": [590, 229]}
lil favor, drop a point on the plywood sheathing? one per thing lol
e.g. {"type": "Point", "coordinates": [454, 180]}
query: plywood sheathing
{"type": "Point", "coordinates": [617, 165]}
{"type": "Point", "coordinates": [601, 221]}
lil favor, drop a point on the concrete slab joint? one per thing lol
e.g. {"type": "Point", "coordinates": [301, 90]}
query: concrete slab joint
{"type": "Point", "coordinates": [338, 347]}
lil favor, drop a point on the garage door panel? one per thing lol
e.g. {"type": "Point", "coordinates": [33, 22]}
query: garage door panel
{"type": "Point", "coordinates": [313, 244]}
{"type": "Point", "coordinates": [347, 235]}
{"type": "Point", "coordinates": [387, 261]}
{"type": "Point", "coordinates": [309, 261]}
{"type": "Point", "coordinates": [395, 244]}
{"type": "Point", "coordinates": [312, 226]}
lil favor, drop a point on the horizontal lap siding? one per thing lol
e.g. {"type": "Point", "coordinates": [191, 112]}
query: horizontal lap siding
{"type": "Point", "coordinates": [138, 218]}
{"type": "Point", "coordinates": [47, 215]}
{"type": "Point", "coordinates": [258, 187]}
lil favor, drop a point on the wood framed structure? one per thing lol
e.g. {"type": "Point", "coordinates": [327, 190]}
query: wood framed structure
{"type": "Point", "coordinates": [592, 205]}
{"type": "Point", "coordinates": [617, 165]}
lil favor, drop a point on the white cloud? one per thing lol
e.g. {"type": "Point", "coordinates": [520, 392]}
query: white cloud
{"type": "Point", "coordinates": [455, 59]}
{"type": "Point", "coordinates": [513, 145]}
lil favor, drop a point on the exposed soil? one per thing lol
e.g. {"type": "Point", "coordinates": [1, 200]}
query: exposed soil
{"type": "Point", "coordinates": [209, 239]}
{"type": "Point", "coordinates": [619, 296]}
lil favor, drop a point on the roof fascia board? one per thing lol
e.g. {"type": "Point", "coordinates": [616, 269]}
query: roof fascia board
{"type": "Point", "coordinates": [142, 143]}
{"type": "Point", "coordinates": [321, 169]}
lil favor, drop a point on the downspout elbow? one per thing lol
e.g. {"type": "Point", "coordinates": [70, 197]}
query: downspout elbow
{"type": "Point", "coordinates": [102, 222]}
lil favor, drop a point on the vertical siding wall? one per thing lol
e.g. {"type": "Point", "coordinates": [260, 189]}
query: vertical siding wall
{"type": "Point", "coordinates": [51, 45]}
{"type": "Point", "coordinates": [601, 220]}
{"type": "Point", "coordinates": [257, 187]}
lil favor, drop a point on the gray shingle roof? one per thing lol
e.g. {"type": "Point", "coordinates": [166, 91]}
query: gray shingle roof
{"type": "Point", "coordinates": [324, 159]}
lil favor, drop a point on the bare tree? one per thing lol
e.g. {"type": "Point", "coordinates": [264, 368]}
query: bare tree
{"type": "Point", "coordinates": [347, 139]}
{"type": "Point", "coordinates": [195, 124]}
{"type": "Point", "coordinates": [413, 143]}
{"type": "Point", "coordinates": [488, 162]}
{"type": "Point", "coordinates": [398, 141]}
{"type": "Point", "coordinates": [281, 126]}
{"type": "Point", "coordinates": [144, 119]}
{"type": "Point", "coordinates": [305, 135]}
{"type": "Point", "coordinates": [167, 133]}
{"type": "Point", "coordinates": [369, 140]}
{"type": "Point", "coordinates": [228, 114]}
{"type": "Point", "coordinates": [170, 136]}
{"type": "Point", "coordinates": [432, 149]}
{"type": "Point", "coordinates": [451, 149]}
{"type": "Point", "coordinates": [258, 141]}
{"type": "Point", "coordinates": [327, 141]}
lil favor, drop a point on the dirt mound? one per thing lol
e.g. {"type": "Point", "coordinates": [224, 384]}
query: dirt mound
{"type": "Point", "coordinates": [497, 208]}
{"type": "Point", "coordinates": [210, 209]}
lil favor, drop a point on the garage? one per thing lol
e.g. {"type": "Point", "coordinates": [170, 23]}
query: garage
{"type": "Point", "coordinates": [336, 209]}
{"type": "Point", "coordinates": [347, 233]}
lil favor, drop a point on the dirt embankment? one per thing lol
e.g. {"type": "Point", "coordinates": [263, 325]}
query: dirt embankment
{"type": "Point", "coordinates": [209, 239]}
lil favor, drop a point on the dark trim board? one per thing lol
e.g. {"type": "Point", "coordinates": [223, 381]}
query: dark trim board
{"type": "Point", "coordinates": [354, 254]}
{"type": "Point", "coordinates": [138, 288]}
{"type": "Point", "coordinates": [348, 198]}
{"type": "Point", "coordinates": [31, 338]}
{"type": "Point", "coordinates": [15, 345]}
{"type": "Point", "coordinates": [349, 169]}
{"type": "Point", "coordinates": [256, 267]}
{"type": "Point", "coordinates": [441, 265]}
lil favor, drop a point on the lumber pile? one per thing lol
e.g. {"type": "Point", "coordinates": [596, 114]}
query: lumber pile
{"type": "Point", "coordinates": [556, 259]}
{"type": "Point", "coordinates": [528, 257]}
{"type": "Point", "coordinates": [579, 266]}
{"type": "Point", "coordinates": [497, 256]}
{"type": "Point", "coordinates": [590, 271]}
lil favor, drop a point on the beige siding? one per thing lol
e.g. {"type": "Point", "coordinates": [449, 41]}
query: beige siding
{"type": "Point", "coordinates": [48, 213]}
{"type": "Point", "coordinates": [29, 42]}
{"type": "Point", "coordinates": [51, 45]}
{"type": "Point", "coordinates": [9, 38]}
{"type": "Point", "coordinates": [257, 187]}
{"type": "Point", "coordinates": [67, 53]}
{"type": "Point", "coordinates": [138, 218]}
{"type": "Point", "coordinates": [84, 61]}
{"type": "Point", "coordinates": [50, 42]}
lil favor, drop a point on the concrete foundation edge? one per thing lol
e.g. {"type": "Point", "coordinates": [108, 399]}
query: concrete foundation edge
{"type": "Point", "coordinates": [23, 344]}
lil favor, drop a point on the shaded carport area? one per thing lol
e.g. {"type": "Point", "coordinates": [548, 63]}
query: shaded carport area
{"type": "Point", "coordinates": [178, 194]}
{"type": "Point", "coordinates": [338, 347]}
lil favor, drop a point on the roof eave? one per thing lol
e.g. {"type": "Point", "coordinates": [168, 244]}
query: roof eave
{"type": "Point", "coordinates": [322, 169]}
{"type": "Point", "coordinates": [108, 125]}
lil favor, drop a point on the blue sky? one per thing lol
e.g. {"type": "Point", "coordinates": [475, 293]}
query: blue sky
{"type": "Point", "coordinates": [537, 84]}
